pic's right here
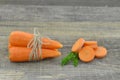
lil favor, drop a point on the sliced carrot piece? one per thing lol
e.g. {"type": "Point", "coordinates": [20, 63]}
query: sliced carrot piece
{"type": "Point", "coordinates": [86, 54]}
{"type": "Point", "coordinates": [92, 44]}
{"type": "Point", "coordinates": [100, 52]}
{"type": "Point", "coordinates": [78, 45]}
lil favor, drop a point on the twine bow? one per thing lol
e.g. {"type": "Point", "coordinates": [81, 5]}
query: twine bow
{"type": "Point", "coordinates": [36, 45]}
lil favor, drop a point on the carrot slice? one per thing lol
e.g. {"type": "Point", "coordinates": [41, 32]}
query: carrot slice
{"type": "Point", "coordinates": [78, 45]}
{"type": "Point", "coordinates": [100, 52]}
{"type": "Point", "coordinates": [86, 54]}
{"type": "Point", "coordinates": [92, 44]}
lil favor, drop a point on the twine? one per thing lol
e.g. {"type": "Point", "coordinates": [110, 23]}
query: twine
{"type": "Point", "coordinates": [36, 45]}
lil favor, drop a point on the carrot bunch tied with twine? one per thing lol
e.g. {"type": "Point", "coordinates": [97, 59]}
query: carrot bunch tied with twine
{"type": "Point", "coordinates": [86, 51]}
{"type": "Point", "coordinates": [31, 47]}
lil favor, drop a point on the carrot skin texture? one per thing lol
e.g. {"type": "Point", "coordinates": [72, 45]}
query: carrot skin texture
{"type": "Point", "coordinates": [21, 39]}
{"type": "Point", "coordinates": [9, 45]}
{"type": "Point", "coordinates": [21, 54]}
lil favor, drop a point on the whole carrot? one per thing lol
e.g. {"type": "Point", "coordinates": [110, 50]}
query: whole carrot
{"type": "Point", "coordinates": [21, 54]}
{"type": "Point", "coordinates": [21, 39]}
{"type": "Point", "coordinates": [10, 46]}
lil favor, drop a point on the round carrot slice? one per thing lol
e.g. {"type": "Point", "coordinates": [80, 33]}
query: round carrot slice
{"type": "Point", "coordinates": [78, 45]}
{"type": "Point", "coordinates": [100, 52]}
{"type": "Point", "coordinates": [86, 54]}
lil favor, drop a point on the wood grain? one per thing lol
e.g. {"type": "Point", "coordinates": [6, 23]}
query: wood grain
{"type": "Point", "coordinates": [106, 33]}
{"type": "Point", "coordinates": [65, 21]}
{"type": "Point", "coordinates": [40, 13]}
{"type": "Point", "coordinates": [110, 3]}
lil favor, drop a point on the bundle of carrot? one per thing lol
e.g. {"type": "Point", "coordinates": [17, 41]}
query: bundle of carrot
{"type": "Point", "coordinates": [18, 51]}
{"type": "Point", "coordinates": [86, 51]}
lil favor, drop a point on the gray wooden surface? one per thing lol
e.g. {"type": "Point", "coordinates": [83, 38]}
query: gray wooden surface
{"type": "Point", "coordinates": [111, 3]}
{"type": "Point", "coordinates": [65, 24]}
{"type": "Point", "coordinates": [106, 33]}
{"type": "Point", "coordinates": [38, 13]}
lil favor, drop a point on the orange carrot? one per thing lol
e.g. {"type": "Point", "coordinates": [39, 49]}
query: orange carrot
{"type": "Point", "coordinates": [90, 42]}
{"type": "Point", "coordinates": [78, 45]}
{"type": "Point", "coordinates": [21, 39]}
{"type": "Point", "coordinates": [86, 54]}
{"type": "Point", "coordinates": [51, 44]}
{"type": "Point", "coordinates": [94, 46]}
{"type": "Point", "coordinates": [21, 54]}
{"type": "Point", "coordinates": [9, 45]}
{"type": "Point", "coordinates": [100, 52]}
{"type": "Point", "coordinates": [54, 49]}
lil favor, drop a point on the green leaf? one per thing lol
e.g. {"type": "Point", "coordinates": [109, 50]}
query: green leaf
{"type": "Point", "coordinates": [70, 57]}
{"type": "Point", "coordinates": [66, 59]}
{"type": "Point", "coordinates": [75, 59]}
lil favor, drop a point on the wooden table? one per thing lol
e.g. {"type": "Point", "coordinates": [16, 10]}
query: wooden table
{"type": "Point", "coordinates": [65, 24]}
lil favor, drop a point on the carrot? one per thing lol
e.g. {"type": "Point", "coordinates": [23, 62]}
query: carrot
{"type": "Point", "coordinates": [86, 54]}
{"type": "Point", "coordinates": [100, 52]}
{"type": "Point", "coordinates": [9, 45]}
{"type": "Point", "coordinates": [92, 44]}
{"type": "Point", "coordinates": [21, 54]}
{"type": "Point", "coordinates": [51, 44]}
{"type": "Point", "coordinates": [78, 45]}
{"type": "Point", "coordinates": [21, 39]}
{"type": "Point", "coordinates": [53, 49]}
